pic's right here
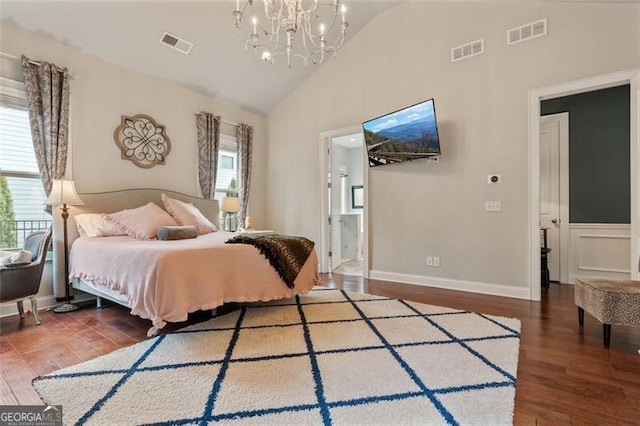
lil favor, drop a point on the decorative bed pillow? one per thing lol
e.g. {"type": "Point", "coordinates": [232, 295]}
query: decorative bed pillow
{"type": "Point", "coordinates": [17, 257]}
{"type": "Point", "coordinates": [177, 232]}
{"type": "Point", "coordinates": [188, 214]}
{"type": "Point", "coordinates": [96, 225]}
{"type": "Point", "coordinates": [142, 222]}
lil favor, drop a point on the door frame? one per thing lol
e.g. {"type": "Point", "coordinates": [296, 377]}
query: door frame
{"type": "Point", "coordinates": [565, 89]}
{"type": "Point", "coordinates": [565, 231]}
{"type": "Point", "coordinates": [324, 145]}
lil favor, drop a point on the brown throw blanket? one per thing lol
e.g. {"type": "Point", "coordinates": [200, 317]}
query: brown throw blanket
{"type": "Point", "coordinates": [286, 254]}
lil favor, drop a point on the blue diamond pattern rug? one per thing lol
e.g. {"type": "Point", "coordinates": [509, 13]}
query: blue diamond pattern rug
{"type": "Point", "coordinates": [328, 357]}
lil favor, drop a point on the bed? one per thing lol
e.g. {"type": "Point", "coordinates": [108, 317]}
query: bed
{"type": "Point", "coordinates": [164, 281]}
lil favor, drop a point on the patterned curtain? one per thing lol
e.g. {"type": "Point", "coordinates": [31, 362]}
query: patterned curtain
{"type": "Point", "coordinates": [208, 144]}
{"type": "Point", "coordinates": [48, 103]}
{"type": "Point", "coordinates": [244, 136]}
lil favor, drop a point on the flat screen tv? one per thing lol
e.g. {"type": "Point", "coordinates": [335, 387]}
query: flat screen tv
{"type": "Point", "coordinates": [403, 135]}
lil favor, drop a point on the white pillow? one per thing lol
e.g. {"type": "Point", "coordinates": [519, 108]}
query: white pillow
{"type": "Point", "coordinates": [96, 225]}
{"type": "Point", "coordinates": [18, 256]}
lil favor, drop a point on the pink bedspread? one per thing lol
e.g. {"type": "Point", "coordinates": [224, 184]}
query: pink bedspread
{"type": "Point", "coordinates": [165, 280]}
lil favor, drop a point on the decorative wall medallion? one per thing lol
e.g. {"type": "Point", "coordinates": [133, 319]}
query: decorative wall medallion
{"type": "Point", "coordinates": [142, 140]}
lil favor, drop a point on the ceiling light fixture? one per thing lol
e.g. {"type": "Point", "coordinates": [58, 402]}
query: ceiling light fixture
{"type": "Point", "coordinates": [274, 27]}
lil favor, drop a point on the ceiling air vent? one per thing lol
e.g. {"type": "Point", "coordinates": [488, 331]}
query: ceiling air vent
{"type": "Point", "coordinates": [527, 32]}
{"type": "Point", "coordinates": [467, 50]}
{"type": "Point", "coordinates": [182, 46]}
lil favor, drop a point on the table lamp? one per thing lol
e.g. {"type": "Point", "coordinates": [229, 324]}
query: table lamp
{"type": "Point", "coordinates": [63, 192]}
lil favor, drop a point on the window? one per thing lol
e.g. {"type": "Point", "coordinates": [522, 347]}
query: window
{"type": "Point", "coordinates": [21, 193]}
{"type": "Point", "coordinates": [226, 161]}
{"type": "Point", "coordinates": [227, 165]}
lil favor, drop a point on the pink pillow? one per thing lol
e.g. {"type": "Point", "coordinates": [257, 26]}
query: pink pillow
{"type": "Point", "coordinates": [188, 214]}
{"type": "Point", "coordinates": [142, 222]}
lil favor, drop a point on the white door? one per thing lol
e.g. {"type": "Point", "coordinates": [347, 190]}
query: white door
{"type": "Point", "coordinates": [335, 202]}
{"type": "Point", "coordinates": [554, 192]}
{"type": "Point", "coordinates": [328, 216]}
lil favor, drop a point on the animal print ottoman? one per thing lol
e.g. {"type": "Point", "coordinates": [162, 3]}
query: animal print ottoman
{"type": "Point", "coordinates": [610, 301]}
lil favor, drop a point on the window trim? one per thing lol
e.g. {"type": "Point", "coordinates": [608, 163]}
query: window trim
{"type": "Point", "coordinates": [13, 88]}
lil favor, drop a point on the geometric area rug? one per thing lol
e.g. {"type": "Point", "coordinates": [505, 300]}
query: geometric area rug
{"type": "Point", "coordinates": [327, 357]}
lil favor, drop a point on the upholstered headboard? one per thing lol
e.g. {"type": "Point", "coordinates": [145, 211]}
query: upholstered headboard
{"type": "Point", "coordinates": [110, 202]}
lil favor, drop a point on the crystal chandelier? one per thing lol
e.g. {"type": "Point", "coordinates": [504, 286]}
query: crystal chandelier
{"type": "Point", "coordinates": [272, 32]}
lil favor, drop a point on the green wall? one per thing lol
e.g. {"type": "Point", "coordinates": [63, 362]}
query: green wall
{"type": "Point", "coordinates": [599, 179]}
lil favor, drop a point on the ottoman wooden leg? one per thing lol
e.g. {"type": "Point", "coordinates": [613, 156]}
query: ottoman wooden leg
{"type": "Point", "coordinates": [580, 316]}
{"type": "Point", "coordinates": [606, 332]}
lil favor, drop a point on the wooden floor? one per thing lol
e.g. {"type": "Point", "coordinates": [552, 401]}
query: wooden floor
{"type": "Point", "coordinates": [565, 375]}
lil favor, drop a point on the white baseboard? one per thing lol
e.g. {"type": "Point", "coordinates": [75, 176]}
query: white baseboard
{"type": "Point", "coordinates": [11, 308]}
{"type": "Point", "coordinates": [449, 284]}
{"type": "Point", "coordinates": [8, 309]}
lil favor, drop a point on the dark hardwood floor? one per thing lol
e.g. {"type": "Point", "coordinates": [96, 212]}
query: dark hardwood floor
{"type": "Point", "coordinates": [565, 375]}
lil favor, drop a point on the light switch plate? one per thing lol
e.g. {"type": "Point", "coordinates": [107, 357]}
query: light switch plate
{"type": "Point", "coordinates": [493, 206]}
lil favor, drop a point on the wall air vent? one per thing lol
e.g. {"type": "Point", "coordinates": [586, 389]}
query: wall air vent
{"type": "Point", "coordinates": [467, 50]}
{"type": "Point", "coordinates": [527, 32]}
{"type": "Point", "coordinates": [176, 43]}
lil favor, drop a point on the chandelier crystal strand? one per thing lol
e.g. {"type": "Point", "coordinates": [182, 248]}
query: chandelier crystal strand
{"type": "Point", "coordinates": [292, 28]}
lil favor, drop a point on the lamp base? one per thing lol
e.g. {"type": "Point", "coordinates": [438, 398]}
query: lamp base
{"type": "Point", "coordinates": [66, 307]}
{"type": "Point", "coordinates": [231, 222]}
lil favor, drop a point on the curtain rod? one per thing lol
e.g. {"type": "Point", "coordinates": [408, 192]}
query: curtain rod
{"type": "Point", "coordinates": [230, 123]}
{"type": "Point", "coordinates": [17, 58]}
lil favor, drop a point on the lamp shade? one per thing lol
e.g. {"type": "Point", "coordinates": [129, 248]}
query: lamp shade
{"type": "Point", "coordinates": [231, 204]}
{"type": "Point", "coordinates": [63, 192]}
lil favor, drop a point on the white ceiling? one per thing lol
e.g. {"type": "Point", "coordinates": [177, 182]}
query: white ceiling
{"type": "Point", "coordinates": [127, 33]}
{"type": "Point", "coordinates": [349, 141]}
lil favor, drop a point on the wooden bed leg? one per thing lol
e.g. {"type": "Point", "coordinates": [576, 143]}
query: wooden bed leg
{"type": "Point", "coordinates": [98, 302]}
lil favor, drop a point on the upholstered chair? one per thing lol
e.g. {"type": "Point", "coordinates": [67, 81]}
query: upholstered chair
{"type": "Point", "coordinates": [21, 281]}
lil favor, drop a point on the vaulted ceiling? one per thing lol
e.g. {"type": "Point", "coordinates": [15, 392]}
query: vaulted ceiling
{"type": "Point", "coordinates": [127, 33]}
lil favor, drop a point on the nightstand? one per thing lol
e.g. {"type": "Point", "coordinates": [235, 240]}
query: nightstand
{"type": "Point", "coordinates": [255, 232]}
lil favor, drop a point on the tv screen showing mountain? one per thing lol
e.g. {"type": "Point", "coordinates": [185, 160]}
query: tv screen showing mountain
{"type": "Point", "coordinates": [403, 135]}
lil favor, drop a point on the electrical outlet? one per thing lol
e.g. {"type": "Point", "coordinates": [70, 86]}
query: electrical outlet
{"type": "Point", "coordinates": [429, 261]}
{"type": "Point", "coordinates": [436, 262]}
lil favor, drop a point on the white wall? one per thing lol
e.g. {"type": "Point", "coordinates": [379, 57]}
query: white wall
{"type": "Point", "coordinates": [402, 57]}
{"type": "Point", "coordinates": [599, 250]}
{"type": "Point", "coordinates": [101, 92]}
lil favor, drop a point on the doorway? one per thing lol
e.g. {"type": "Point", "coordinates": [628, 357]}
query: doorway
{"type": "Point", "coordinates": [554, 192]}
{"type": "Point", "coordinates": [344, 220]}
{"type": "Point", "coordinates": [345, 183]}
{"type": "Point", "coordinates": [631, 77]}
